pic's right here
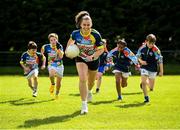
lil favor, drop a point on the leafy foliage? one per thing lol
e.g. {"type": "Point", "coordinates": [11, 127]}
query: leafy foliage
{"type": "Point", "coordinates": [24, 20]}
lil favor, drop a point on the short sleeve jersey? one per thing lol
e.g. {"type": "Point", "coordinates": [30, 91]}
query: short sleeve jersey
{"type": "Point", "coordinates": [151, 55]}
{"type": "Point", "coordinates": [52, 54]}
{"type": "Point", "coordinates": [31, 61]}
{"type": "Point", "coordinates": [123, 58]}
{"type": "Point", "coordinates": [87, 44]}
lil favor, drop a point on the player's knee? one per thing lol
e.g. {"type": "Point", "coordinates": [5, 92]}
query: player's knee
{"type": "Point", "coordinates": [82, 80]}
{"type": "Point", "coordinates": [124, 84]}
{"type": "Point", "coordinates": [51, 73]}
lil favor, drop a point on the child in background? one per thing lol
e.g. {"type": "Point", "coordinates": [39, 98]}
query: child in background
{"type": "Point", "coordinates": [104, 65]}
{"type": "Point", "coordinates": [123, 57]}
{"type": "Point", "coordinates": [29, 62]}
{"type": "Point", "coordinates": [149, 57]}
{"type": "Point", "coordinates": [54, 52]}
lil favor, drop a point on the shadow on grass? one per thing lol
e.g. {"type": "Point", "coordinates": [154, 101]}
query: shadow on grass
{"type": "Point", "coordinates": [136, 93]}
{"type": "Point", "coordinates": [24, 101]}
{"type": "Point", "coordinates": [102, 102]}
{"type": "Point", "coordinates": [74, 94]}
{"type": "Point", "coordinates": [12, 101]}
{"type": "Point", "coordinates": [48, 120]}
{"type": "Point", "coordinates": [136, 104]}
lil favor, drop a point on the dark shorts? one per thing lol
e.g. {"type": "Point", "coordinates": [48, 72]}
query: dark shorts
{"type": "Point", "coordinates": [93, 65]}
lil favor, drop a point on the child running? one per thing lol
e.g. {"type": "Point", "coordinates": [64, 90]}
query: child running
{"type": "Point", "coordinates": [150, 58]}
{"type": "Point", "coordinates": [29, 62]}
{"type": "Point", "coordinates": [123, 57]}
{"type": "Point", "coordinates": [54, 52]}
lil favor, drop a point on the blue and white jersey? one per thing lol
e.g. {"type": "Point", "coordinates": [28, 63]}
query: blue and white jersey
{"type": "Point", "coordinates": [123, 59]}
{"type": "Point", "coordinates": [151, 55]}
{"type": "Point", "coordinates": [31, 61]}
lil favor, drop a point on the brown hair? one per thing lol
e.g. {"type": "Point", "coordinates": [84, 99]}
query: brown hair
{"type": "Point", "coordinates": [32, 45]}
{"type": "Point", "coordinates": [53, 35]}
{"type": "Point", "coordinates": [80, 16]}
{"type": "Point", "coordinates": [122, 42]}
{"type": "Point", "coordinates": [151, 38]}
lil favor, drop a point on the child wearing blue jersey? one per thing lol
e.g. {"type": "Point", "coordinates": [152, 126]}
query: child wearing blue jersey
{"type": "Point", "coordinates": [54, 52]}
{"type": "Point", "coordinates": [150, 58]}
{"type": "Point", "coordinates": [123, 57]}
{"type": "Point", "coordinates": [90, 44]}
{"type": "Point", "coordinates": [104, 65]}
{"type": "Point", "coordinates": [29, 62]}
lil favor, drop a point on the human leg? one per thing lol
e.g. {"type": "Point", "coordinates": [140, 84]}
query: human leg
{"type": "Point", "coordinates": [52, 79]}
{"type": "Point", "coordinates": [151, 84]}
{"type": "Point", "coordinates": [91, 80]}
{"type": "Point", "coordinates": [82, 69]}
{"type": "Point", "coordinates": [118, 77]}
{"type": "Point", "coordinates": [30, 83]}
{"type": "Point", "coordinates": [99, 80]}
{"type": "Point", "coordinates": [58, 86]}
{"type": "Point", "coordinates": [35, 78]}
{"type": "Point", "coordinates": [151, 79]}
{"type": "Point", "coordinates": [59, 74]}
{"type": "Point", "coordinates": [144, 87]}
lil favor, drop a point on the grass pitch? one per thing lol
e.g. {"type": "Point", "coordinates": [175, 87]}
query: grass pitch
{"type": "Point", "coordinates": [18, 109]}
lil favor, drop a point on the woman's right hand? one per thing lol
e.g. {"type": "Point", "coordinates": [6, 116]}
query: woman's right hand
{"type": "Point", "coordinates": [90, 58]}
{"type": "Point", "coordinates": [26, 70]}
{"type": "Point", "coordinates": [143, 62]}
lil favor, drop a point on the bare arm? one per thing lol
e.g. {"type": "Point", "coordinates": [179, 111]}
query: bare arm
{"type": "Point", "coordinates": [25, 68]}
{"type": "Point", "coordinates": [161, 69]}
{"type": "Point", "coordinates": [44, 63]}
{"type": "Point", "coordinates": [60, 53]}
{"type": "Point", "coordinates": [98, 53]}
{"type": "Point", "coordinates": [95, 55]}
{"type": "Point", "coordinates": [142, 62]}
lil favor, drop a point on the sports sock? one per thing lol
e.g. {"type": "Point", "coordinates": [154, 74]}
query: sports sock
{"type": "Point", "coordinates": [84, 102]}
{"type": "Point", "coordinates": [57, 92]}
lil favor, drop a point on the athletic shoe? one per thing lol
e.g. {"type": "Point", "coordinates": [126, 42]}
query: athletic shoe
{"type": "Point", "coordinates": [51, 89]}
{"type": "Point", "coordinates": [89, 97]}
{"type": "Point", "coordinates": [84, 109]}
{"type": "Point", "coordinates": [119, 98]}
{"type": "Point", "coordinates": [97, 90]}
{"type": "Point", "coordinates": [146, 99]}
{"type": "Point", "coordinates": [34, 93]}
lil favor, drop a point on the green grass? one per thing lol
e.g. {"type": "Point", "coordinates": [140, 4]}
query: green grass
{"type": "Point", "coordinates": [19, 110]}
